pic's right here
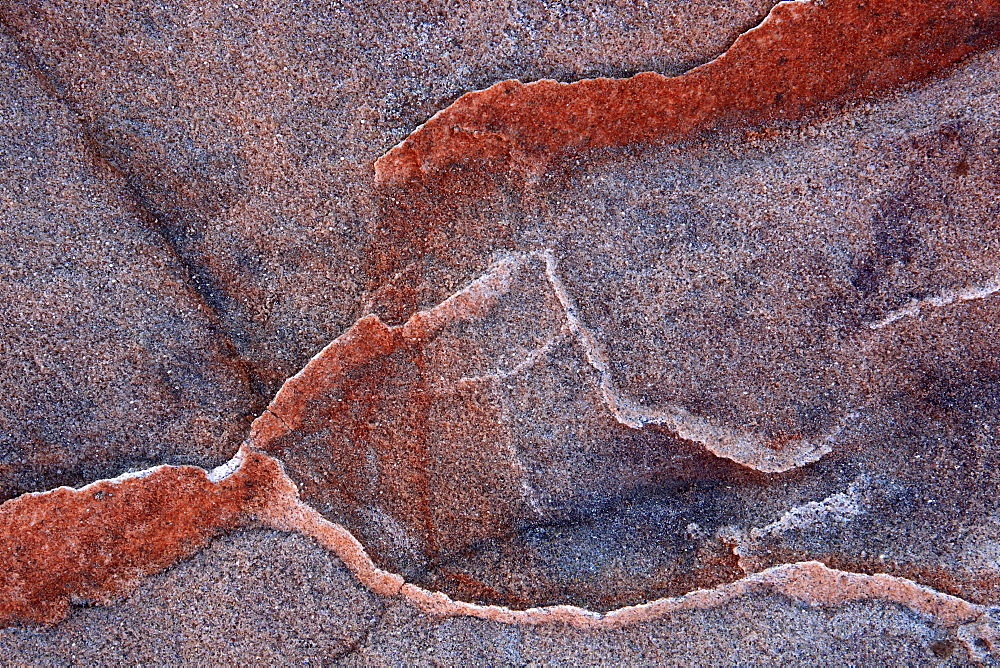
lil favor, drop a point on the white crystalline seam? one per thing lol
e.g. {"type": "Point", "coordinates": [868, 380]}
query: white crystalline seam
{"type": "Point", "coordinates": [838, 508]}
{"type": "Point", "coordinates": [945, 298]}
{"type": "Point", "coordinates": [117, 479]}
{"type": "Point", "coordinates": [217, 474]}
{"type": "Point", "coordinates": [493, 284]}
{"type": "Point", "coordinates": [529, 361]}
{"type": "Point", "coordinates": [746, 449]}
{"type": "Point", "coordinates": [811, 582]}
{"type": "Point", "coordinates": [223, 471]}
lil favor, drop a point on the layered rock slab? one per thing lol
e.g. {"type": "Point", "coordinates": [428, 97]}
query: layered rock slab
{"type": "Point", "coordinates": [430, 438]}
{"type": "Point", "coordinates": [511, 144]}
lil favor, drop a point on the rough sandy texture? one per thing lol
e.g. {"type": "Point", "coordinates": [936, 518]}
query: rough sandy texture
{"type": "Point", "coordinates": [749, 330]}
{"type": "Point", "coordinates": [248, 131]}
{"type": "Point", "coordinates": [757, 296]}
{"type": "Point", "coordinates": [261, 597]}
{"type": "Point", "coordinates": [109, 361]}
{"type": "Point", "coordinates": [89, 544]}
{"type": "Point", "coordinates": [273, 598]}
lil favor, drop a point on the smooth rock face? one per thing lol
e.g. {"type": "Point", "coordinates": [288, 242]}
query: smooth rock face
{"type": "Point", "coordinates": [591, 343]}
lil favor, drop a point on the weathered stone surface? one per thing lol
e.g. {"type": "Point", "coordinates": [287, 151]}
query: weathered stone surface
{"type": "Point", "coordinates": [248, 131]}
{"type": "Point", "coordinates": [756, 296]}
{"type": "Point", "coordinates": [756, 629]}
{"type": "Point", "coordinates": [109, 361]}
{"type": "Point", "coordinates": [251, 597]}
{"type": "Point", "coordinates": [625, 339]}
{"type": "Point", "coordinates": [268, 597]}
{"type": "Point", "coordinates": [90, 544]}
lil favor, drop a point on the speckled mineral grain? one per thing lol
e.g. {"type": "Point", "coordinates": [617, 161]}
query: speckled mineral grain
{"type": "Point", "coordinates": [569, 332]}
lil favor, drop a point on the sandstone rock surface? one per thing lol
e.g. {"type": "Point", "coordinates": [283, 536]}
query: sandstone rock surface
{"type": "Point", "coordinates": [716, 342]}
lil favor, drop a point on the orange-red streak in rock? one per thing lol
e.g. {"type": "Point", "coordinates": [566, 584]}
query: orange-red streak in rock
{"type": "Point", "coordinates": [803, 55]}
{"type": "Point", "coordinates": [93, 543]}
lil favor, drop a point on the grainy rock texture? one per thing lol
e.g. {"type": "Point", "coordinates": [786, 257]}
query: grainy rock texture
{"type": "Point", "coordinates": [87, 545]}
{"type": "Point", "coordinates": [278, 599]}
{"type": "Point", "coordinates": [594, 343]}
{"type": "Point", "coordinates": [255, 597]}
{"type": "Point", "coordinates": [248, 131]}
{"type": "Point", "coordinates": [820, 293]}
{"type": "Point", "coordinates": [109, 361]}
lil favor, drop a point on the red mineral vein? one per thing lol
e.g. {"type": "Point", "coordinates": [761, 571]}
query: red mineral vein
{"type": "Point", "coordinates": [367, 340]}
{"type": "Point", "coordinates": [93, 543]}
{"type": "Point", "coordinates": [364, 401]}
{"type": "Point", "coordinates": [808, 581]}
{"type": "Point", "coordinates": [805, 54]}
{"type": "Point", "coordinates": [491, 145]}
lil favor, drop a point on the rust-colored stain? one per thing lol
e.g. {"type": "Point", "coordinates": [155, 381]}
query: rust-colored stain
{"type": "Point", "coordinates": [805, 54]}
{"type": "Point", "coordinates": [360, 429]}
{"type": "Point", "coordinates": [369, 377]}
